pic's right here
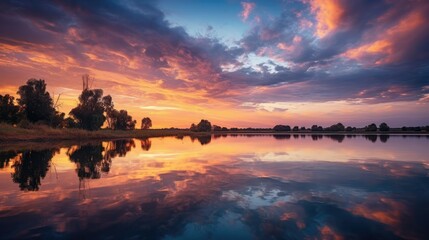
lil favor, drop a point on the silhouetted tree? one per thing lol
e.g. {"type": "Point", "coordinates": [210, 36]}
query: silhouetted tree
{"type": "Point", "coordinates": [202, 126]}
{"type": "Point", "coordinates": [302, 128]}
{"type": "Point", "coordinates": [123, 121]}
{"type": "Point", "coordinates": [371, 128]}
{"type": "Point", "coordinates": [217, 128]}
{"type": "Point", "coordinates": [109, 109]}
{"type": "Point", "coordinates": [336, 127]}
{"type": "Point", "coordinates": [8, 110]}
{"type": "Point", "coordinates": [296, 128]}
{"type": "Point", "coordinates": [89, 112]}
{"type": "Point", "coordinates": [384, 127]}
{"type": "Point", "coordinates": [70, 123]}
{"type": "Point", "coordinates": [281, 128]}
{"type": "Point", "coordinates": [35, 102]}
{"type": "Point", "coordinates": [316, 128]}
{"type": "Point", "coordinates": [146, 123]}
{"type": "Point", "coordinates": [31, 167]}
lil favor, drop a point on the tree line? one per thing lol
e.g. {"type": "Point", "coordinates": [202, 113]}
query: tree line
{"type": "Point", "coordinates": [36, 106]}
{"type": "Point", "coordinates": [339, 127]}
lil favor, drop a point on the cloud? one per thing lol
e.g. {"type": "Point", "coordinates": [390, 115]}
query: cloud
{"type": "Point", "coordinates": [313, 51]}
{"type": "Point", "coordinates": [160, 108]}
{"type": "Point", "coordinates": [247, 10]}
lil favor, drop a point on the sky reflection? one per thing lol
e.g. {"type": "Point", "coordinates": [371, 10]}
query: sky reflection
{"type": "Point", "coordinates": [227, 188]}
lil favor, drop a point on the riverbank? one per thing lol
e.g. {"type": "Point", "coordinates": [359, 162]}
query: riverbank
{"type": "Point", "coordinates": [9, 133]}
{"type": "Point", "coordinates": [42, 133]}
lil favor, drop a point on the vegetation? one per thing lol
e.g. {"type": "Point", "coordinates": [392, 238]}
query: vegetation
{"type": "Point", "coordinates": [146, 123]}
{"type": "Point", "coordinates": [89, 112]}
{"type": "Point", "coordinates": [282, 128]}
{"type": "Point", "coordinates": [384, 127]}
{"type": "Point", "coordinates": [34, 116]}
{"type": "Point", "coordinates": [8, 110]}
{"type": "Point", "coordinates": [202, 126]}
{"type": "Point", "coordinates": [316, 128]}
{"type": "Point", "coordinates": [371, 128]}
{"type": "Point", "coordinates": [36, 104]}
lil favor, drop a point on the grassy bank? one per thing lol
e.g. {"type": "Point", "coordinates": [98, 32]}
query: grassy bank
{"type": "Point", "coordinates": [9, 134]}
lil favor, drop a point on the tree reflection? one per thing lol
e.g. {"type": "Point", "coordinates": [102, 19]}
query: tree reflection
{"type": "Point", "coordinates": [338, 138]}
{"type": "Point", "coordinates": [5, 158]}
{"type": "Point", "coordinates": [372, 138]}
{"type": "Point", "coordinates": [384, 138]}
{"type": "Point", "coordinates": [93, 159]}
{"type": "Point", "coordinates": [31, 167]}
{"type": "Point", "coordinates": [119, 148]}
{"type": "Point", "coordinates": [316, 137]}
{"type": "Point", "coordinates": [204, 139]}
{"type": "Point", "coordinates": [89, 161]}
{"type": "Point", "coordinates": [281, 136]}
{"type": "Point", "coordinates": [146, 143]}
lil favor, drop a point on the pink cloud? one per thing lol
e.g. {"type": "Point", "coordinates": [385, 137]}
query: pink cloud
{"type": "Point", "coordinates": [247, 9]}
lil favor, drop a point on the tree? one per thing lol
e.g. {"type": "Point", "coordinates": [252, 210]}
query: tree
{"type": "Point", "coordinates": [282, 128]}
{"type": "Point", "coordinates": [336, 127]}
{"type": "Point", "coordinates": [146, 123]}
{"type": "Point", "coordinates": [109, 108]}
{"type": "Point", "coordinates": [217, 128]}
{"type": "Point", "coordinates": [89, 112]}
{"type": "Point", "coordinates": [296, 128]}
{"type": "Point", "coordinates": [202, 126]}
{"type": "Point", "coordinates": [123, 121]}
{"type": "Point", "coordinates": [316, 128]}
{"type": "Point", "coordinates": [36, 104]}
{"type": "Point", "coordinates": [371, 128]}
{"type": "Point", "coordinates": [8, 109]}
{"type": "Point", "coordinates": [384, 127]}
{"type": "Point", "coordinates": [70, 123]}
{"type": "Point", "coordinates": [349, 129]}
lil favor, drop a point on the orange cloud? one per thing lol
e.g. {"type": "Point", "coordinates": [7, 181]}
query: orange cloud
{"type": "Point", "coordinates": [390, 45]}
{"type": "Point", "coordinates": [328, 16]}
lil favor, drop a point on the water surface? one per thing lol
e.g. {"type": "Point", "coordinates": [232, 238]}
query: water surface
{"type": "Point", "coordinates": [219, 187]}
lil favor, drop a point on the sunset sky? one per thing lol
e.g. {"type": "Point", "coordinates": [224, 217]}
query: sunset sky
{"type": "Point", "coordinates": [238, 64]}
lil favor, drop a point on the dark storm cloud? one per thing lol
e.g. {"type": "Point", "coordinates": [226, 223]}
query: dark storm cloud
{"type": "Point", "coordinates": [366, 52]}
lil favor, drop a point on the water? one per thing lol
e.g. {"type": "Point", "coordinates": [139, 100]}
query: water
{"type": "Point", "coordinates": [219, 187]}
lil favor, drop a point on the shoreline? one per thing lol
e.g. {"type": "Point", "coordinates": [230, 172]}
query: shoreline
{"type": "Point", "coordinates": [10, 134]}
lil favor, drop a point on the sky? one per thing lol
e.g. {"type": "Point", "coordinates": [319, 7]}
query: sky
{"type": "Point", "coordinates": [235, 63]}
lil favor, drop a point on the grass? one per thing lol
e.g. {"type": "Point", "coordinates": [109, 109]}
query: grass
{"type": "Point", "coordinates": [42, 133]}
{"type": "Point", "coordinates": [9, 133]}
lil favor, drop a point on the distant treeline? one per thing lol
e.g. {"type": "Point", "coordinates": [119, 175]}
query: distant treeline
{"type": "Point", "coordinates": [205, 126]}
{"type": "Point", "coordinates": [36, 106]}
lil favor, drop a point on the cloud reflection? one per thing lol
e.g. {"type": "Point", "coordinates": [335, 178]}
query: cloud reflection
{"type": "Point", "coordinates": [196, 193]}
